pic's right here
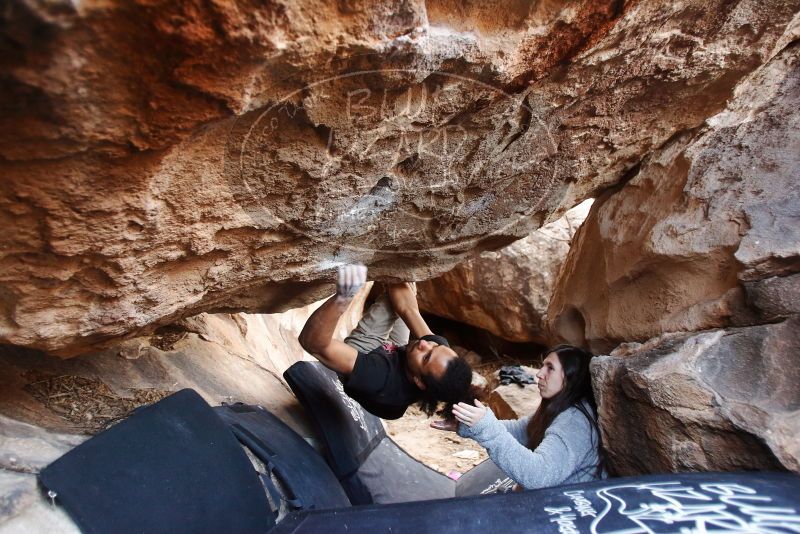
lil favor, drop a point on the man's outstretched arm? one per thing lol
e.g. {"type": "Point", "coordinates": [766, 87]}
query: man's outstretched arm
{"type": "Point", "coordinates": [317, 334]}
{"type": "Point", "coordinates": [317, 337]}
{"type": "Point", "coordinates": [404, 302]}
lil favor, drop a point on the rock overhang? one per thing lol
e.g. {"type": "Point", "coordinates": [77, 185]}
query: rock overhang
{"type": "Point", "coordinates": [173, 159]}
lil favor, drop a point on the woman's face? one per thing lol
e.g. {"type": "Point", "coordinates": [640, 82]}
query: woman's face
{"type": "Point", "coordinates": [550, 377]}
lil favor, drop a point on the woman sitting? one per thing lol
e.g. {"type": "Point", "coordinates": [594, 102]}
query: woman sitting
{"type": "Point", "coordinates": [559, 443]}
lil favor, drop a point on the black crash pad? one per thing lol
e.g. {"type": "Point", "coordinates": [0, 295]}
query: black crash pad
{"type": "Point", "coordinates": [371, 467]}
{"type": "Point", "coordinates": [173, 466]}
{"type": "Point", "coordinates": [349, 432]}
{"type": "Point", "coordinates": [303, 473]}
{"type": "Point", "coordinates": [681, 503]}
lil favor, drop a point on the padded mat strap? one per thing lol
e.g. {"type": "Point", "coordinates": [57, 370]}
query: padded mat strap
{"type": "Point", "coordinates": [293, 500]}
{"type": "Point", "coordinates": [305, 481]}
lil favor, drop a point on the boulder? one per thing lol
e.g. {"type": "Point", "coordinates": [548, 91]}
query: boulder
{"type": "Point", "coordinates": [225, 358]}
{"type": "Point", "coordinates": [521, 401]}
{"type": "Point", "coordinates": [507, 292]}
{"type": "Point", "coordinates": [773, 298]}
{"type": "Point", "coordinates": [162, 159]}
{"type": "Point", "coordinates": [717, 400]}
{"type": "Point", "coordinates": [478, 380]}
{"type": "Point", "coordinates": [704, 234]}
{"type": "Point", "coordinates": [470, 356]}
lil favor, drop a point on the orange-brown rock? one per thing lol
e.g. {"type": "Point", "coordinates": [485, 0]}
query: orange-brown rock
{"type": "Point", "coordinates": [521, 401]}
{"type": "Point", "coordinates": [718, 400]}
{"type": "Point", "coordinates": [499, 406]}
{"type": "Point", "coordinates": [704, 235]}
{"type": "Point", "coordinates": [507, 292]}
{"type": "Point", "coordinates": [162, 159]}
{"type": "Point", "coordinates": [224, 357]}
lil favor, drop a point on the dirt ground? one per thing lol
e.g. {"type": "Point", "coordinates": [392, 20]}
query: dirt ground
{"type": "Point", "coordinates": [435, 448]}
{"type": "Point", "coordinates": [87, 403]}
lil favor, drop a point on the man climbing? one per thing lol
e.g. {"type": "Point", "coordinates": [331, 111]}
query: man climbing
{"type": "Point", "coordinates": [377, 365]}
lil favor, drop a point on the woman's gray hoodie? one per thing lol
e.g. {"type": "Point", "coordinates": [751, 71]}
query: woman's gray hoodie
{"type": "Point", "coordinates": [567, 454]}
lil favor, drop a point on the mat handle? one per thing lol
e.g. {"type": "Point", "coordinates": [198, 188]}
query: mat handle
{"type": "Point", "coordinates": [266, 455]}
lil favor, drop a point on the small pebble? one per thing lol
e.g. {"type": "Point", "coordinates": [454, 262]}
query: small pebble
{"type": "Point", "coordinates": [467, 454]}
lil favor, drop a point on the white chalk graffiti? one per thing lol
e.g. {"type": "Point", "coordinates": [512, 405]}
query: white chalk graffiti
{"type": "Point", "coordinates": [501, 485]}
{"type": "Point", "coordinates": [675, 507]}
{"type": "Point", "coordinates": [356, 412]}
{"type": "Point", "coordinates": [417, 135]}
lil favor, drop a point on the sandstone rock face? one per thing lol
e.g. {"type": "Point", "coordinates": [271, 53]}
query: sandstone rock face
{"type": "Point", "coordinates": [85, 394]}
{"type": "Point", "coordinates": [716, 400]}
{"type": "Point", "coordinates": [522, 401]}
{"type": "Point", "coordinates": [27, 449]}
{"type": "Point", "coordinates": [507, 292]}
{"type": "Point", "coordinates": [705, 234]}
{"type": "Point", "coordinates": [224, 357]}
{"type": "Point", "coordinates": [163, 159]}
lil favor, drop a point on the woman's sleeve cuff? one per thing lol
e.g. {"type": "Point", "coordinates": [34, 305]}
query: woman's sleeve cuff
{"type": "Point", "coordinates": [486, 422]}
{"type": "Point", "coordinates": [464, 431]}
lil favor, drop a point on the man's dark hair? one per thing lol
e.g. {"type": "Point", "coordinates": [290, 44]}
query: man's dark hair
{"type": "Point", "coordinates": [452, 387]}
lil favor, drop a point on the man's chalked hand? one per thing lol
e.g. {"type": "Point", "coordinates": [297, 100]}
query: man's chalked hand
{"type": "Point", "coordinates": [350, 279]}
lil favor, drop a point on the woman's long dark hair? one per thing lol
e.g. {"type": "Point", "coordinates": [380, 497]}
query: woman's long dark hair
{"type": "Point", "coordinates": [577, 392]}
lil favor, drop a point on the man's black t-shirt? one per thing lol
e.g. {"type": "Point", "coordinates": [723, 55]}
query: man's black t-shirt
{"type": "Point", "coordinates": [379, 383]}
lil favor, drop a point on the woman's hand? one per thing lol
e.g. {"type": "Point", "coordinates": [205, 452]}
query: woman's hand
{"type": "Point", "coordinates": [468, 414]}
{"type": "Point", "coordinates": [448, 425]}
